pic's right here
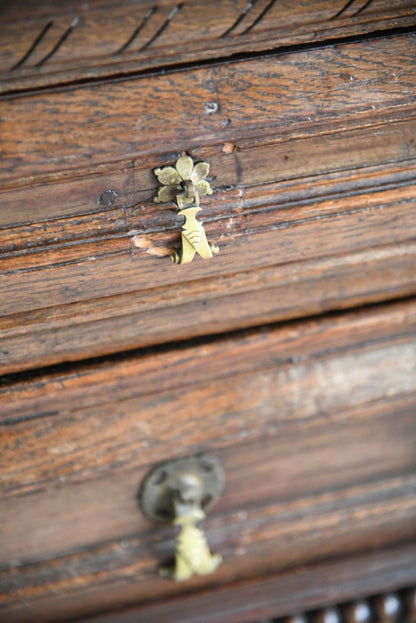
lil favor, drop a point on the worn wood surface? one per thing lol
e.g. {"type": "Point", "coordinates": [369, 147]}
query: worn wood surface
{"type": "Point", "coordinates": [309, 125]}
{"type": "Point", "coordinates": [310, 587]}
{"type": "Point", "coordinates": [279, 96]}
{"type": "Point", "coordinates": [312, 158]}
{"type": "Point", "coordinates": [313, 422]}
{"type": "Point", "coordinates": [46, 43]}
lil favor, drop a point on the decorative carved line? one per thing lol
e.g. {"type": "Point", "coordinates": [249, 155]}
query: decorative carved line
{"type": "Point", "coordinates": [58, 44]}
{"type": "Point", "coordinates": [33, 46]}
{"type": "Point", "coordinates": [246, 12]}
{"type": "Point", "coordinates": [347, 6]}
{"type": "Point", "coordinates": [163, 26]}
{"type": "Point", "coordinates": [137, 30]}
{"type": "Point", "coordinates": [363, 8]}
{"type": "Point", "coordinates": [344, 8]}
{"type": "Point", "coordinates": [247, 8]}
{"type": "Point", "coordinates": [260, 17]}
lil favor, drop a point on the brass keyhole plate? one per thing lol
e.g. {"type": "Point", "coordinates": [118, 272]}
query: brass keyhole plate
{"type": "Point", "coordinates": [203, 473]}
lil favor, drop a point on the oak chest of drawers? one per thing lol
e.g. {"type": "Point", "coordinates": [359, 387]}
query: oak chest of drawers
{"type": "Point", "coordinates": [290, 355]}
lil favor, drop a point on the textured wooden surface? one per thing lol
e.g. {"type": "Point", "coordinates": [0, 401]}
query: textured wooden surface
{"type": "Point", "coordinates": [291, 356]}
{"type": "Point", "coordinates": [291, 592]}
{"type": "Point", "coordinates": [46, 43]}
{"type": "Point", "coordinates": [328, 405]}
{"type": "Point", "coordinates": [312, 158]}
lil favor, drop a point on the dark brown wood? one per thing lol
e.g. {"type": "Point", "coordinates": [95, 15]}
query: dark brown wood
{"type": "Point", "coordinates": [245, 602]}
{"type": "Point", "coordinates": [303, 397]}
{"type": "Point", "coordinates": [276, 97]}
{"type": "Point", "coordinates": [53, 43]}
{"type": "Point", "coordinates": [84, 271]}
{"type": "Point", "coordinates": [356, 611]}
{"type": "Point", "coordinates": [410, 605]}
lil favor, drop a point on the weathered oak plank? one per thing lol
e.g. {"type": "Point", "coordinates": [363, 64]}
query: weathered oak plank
{"type": "Point", "coordinates": [46, 44]}
{"type": "Point", "coordinates": [313, 175]}
{"type": "Point", "coordinates": [287, 593]}
{"type": "Point", "coordinates": [313, 163]}
{"type": "Point", "coordinates": [283, 95]}
{"type": "Point", "coordinates": [75, 445]}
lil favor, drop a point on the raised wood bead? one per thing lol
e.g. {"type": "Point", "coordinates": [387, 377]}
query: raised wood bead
{"type": "Point", "coordinates": [332, 614]}
{"type": "Point", "coordinates": [388, 608]}
{"type": "Point", "coordinates": [297, 618]}
{"type": "Point", "coordinates": [358, 612]}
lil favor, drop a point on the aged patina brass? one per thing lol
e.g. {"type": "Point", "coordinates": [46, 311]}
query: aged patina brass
{"type": "Point", "coordinates": [184, 184]}
{"type": "Point", "coordinates": [178, 491]}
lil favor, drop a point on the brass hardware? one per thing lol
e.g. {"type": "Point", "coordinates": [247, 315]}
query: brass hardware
{"type": "Point", "coordinates": [178, 491]}
{"type": "Point", "coordinates": [184, 184]}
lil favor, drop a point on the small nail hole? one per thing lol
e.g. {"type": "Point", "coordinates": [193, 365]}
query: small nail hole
{"type": "Point", "coordinates": [211, 108]}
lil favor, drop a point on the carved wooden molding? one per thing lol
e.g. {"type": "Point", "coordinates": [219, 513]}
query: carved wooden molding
{"type": "Point", "coordinates": [391, 607]}
{"type": "Point", "coordinates": [81, 41]}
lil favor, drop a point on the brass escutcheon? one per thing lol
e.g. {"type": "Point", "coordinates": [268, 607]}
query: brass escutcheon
{"type": "Point", "coordinates": [178, 491]}
{"type": "Point", "coordinates": [183, 185]}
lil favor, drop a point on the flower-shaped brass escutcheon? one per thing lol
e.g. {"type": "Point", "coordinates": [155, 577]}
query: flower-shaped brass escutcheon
{"type": "Point", "coordinates": [184, 184]}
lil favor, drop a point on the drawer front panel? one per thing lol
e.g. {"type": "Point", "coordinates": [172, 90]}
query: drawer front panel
{"type": "Point", "coordinates": [312, 164]}
{"type": "Point", "coordinates": [313, 423]}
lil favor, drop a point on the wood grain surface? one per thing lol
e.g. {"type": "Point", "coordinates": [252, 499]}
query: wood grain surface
{"type": "Point", "coordinates": [291, 356]}
{"type": "Point", "coordinates": [312, 160]}
{"type": "Point", "coordinates": [313, 422]}
{"type": "Point", "coordinates": [46, 43]}
{"type": "Point", "coordinates": [311, 587]}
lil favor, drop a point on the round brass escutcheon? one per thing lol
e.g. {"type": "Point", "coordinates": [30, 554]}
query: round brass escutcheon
{"type": "Point", "coordinates": [196, 480]}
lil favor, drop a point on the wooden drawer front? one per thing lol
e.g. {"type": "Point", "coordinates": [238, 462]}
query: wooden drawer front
{"type": "Point", "coordinates": [312, 162]}
{"type": "Point", "coordinates": [314, 425]}
{"type": "Point", "coordinates": [49, 44]}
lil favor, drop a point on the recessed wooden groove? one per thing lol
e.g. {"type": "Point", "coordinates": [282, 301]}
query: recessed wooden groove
{"type": "Point", "coordinates": [163, 26]}
{"type": "Point", "coordinates": [264, 12]}
{"type": "Point", "coordinates": [363, 8]}
{"type": "Point", "coordinates": [148, 15]}
{"type": "Point", "coordinates": [58, 44]}
{"type": "Point", "coordinates": [242, 15]}
{"type": "Point", "coordinates": [343, 9]}
{"type": "Point", "coordinates": [33, 46]}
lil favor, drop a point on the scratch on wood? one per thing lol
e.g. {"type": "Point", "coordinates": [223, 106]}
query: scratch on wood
{"type": "Point", "coordinates": [146, 244]}
{"type": "Point", "coordinates": [228, 148]}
